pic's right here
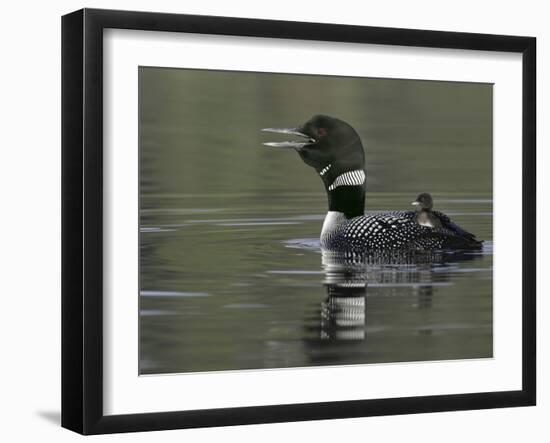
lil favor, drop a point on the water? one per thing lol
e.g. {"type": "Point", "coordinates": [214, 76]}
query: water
{"type": "Point", "coordinates": [231, 273]}
{"type": "Point", "coordinates": [258, 294]}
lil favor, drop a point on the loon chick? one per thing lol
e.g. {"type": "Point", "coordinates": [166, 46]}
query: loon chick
{"type": "Point", "coordinates": [333, 148]}
{"type": "Point", "coordinates": [424, 214]}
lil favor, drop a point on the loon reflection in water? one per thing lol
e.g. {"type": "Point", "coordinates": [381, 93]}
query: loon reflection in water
{"type": "Point", "coordinates": [333, 148]}
{"type": "Point", "coordinates": [350, 277]}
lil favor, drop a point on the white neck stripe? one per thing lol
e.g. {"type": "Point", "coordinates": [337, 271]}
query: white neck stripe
{"type": "Point", "coordinates": [350, 178]}
{"type": "Point", "coordinates": [325, 170]}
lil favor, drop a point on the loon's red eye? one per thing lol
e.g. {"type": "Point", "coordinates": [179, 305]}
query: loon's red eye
{"type": "Point", "coordinates": [321, 132]}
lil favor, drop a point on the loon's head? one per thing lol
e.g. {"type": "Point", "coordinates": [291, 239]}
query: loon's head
{"type": "Point", "coordinates": [329, 145]}
{"type": "Point", "coordinates": [333, 148]}
{"type": "Point", "coordinates": [423, 201]}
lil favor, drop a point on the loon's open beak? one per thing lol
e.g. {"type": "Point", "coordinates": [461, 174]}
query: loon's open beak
{"type": "Point", "coordinates": [288, 144]}
{"type": "Point", "coordinates": [415, 203]}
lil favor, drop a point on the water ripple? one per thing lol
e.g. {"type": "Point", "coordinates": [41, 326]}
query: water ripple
{"type": "Point", "coordinates": [173, 294]}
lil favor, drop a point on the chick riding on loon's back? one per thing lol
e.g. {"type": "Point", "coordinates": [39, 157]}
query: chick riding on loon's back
{"type": "Point", "coordinates": [333, 148]}
{"type": "Point", "coordinates": [424, 214]}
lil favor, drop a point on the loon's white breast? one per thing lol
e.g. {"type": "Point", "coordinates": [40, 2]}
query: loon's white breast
{"type": "Point", "coordinates": [333, 221]}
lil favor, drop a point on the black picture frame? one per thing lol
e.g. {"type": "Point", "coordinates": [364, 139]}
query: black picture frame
{"type": "Point", "coordinates": [82, 218]}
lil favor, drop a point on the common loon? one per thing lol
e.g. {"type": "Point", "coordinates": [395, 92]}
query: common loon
{"type": "Point", "coordinates": [333, 148]}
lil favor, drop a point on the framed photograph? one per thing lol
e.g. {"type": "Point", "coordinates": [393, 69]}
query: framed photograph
{"type": "Point", "coordinates": [269, 221]}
